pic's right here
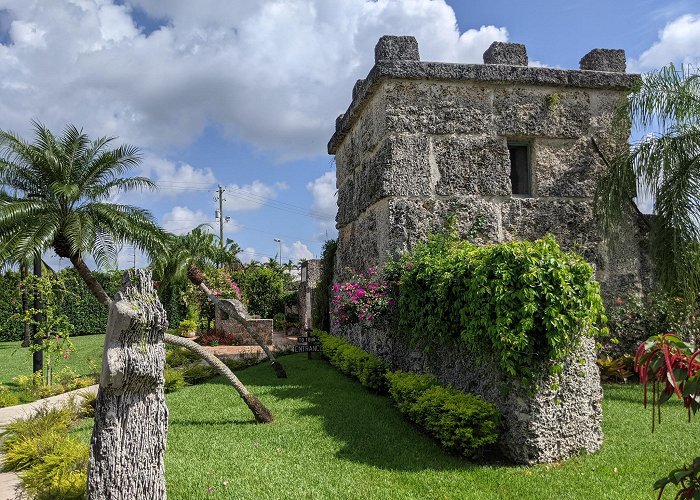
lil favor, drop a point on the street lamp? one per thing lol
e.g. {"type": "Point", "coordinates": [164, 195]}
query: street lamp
{"type": "Point", "coordinates": [277, 240]}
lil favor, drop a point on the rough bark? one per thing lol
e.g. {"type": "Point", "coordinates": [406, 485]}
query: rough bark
{"type": "Point", "coordinates": [131, 420]}
{"type": "Point", "coordinates": [238, 312]}
{"type": "Point", "coordinates": [260, 411]}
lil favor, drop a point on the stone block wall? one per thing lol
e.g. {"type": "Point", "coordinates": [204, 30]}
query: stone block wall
{"type": "Point", "coordinates": [310, 276]}
{"type": "Point", "coordinates": [422, 140]}
{"type": "Point", "coordinates": [263, 327]}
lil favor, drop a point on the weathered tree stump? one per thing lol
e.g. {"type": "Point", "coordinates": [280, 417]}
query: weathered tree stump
{"type": "Point", "coordinates": [131, 420]}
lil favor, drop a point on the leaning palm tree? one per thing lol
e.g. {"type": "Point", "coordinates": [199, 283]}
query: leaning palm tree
{"type": "Point", "coordinates": [67, 183]}
{"type": "Point", "coordinates": [665, 164]}
{"type": "Point", "coordinates": [185, 255]}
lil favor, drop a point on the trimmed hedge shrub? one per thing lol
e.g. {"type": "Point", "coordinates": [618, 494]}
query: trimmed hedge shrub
{"type": "Point", "coordinates": [460, 422]}
{"type": "Point", "coordinates": [353, 361]}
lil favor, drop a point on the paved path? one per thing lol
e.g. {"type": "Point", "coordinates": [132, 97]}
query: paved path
{"type": "Point", "coordinates": [9, 480]}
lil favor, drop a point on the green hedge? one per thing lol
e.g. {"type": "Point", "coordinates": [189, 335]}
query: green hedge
{"type": "Point", "coordinates": [525, 303]}
{"type": "Point", "coordinates": [82, 309]}
{"type": "Point", "coordinates": [460, 422]}
{"type": "Point", "coordinates": [10, 304]}
{"type": "Point", "coordinates": [353, 361]}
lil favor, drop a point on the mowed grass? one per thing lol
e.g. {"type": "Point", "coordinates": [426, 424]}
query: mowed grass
{"type": "Point", "coordinates": [334, 439]}
{"type": "Point", "coordinates": [16, 360]}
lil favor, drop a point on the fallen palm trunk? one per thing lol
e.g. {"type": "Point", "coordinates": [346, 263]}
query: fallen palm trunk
{"type": "Point", "coordinates": [260, 411]}
{"type": "Point", "coordinates": [238, 312]}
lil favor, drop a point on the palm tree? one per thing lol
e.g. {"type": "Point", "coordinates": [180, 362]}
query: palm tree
{"type": "Point", "coordinates": [195, 250]}
{"type": "Point", "coordinates": [67, 183]}
{"type": "Point", "coordinates": [665, 164]}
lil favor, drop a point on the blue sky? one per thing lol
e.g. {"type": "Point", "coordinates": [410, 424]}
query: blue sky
{"type": "Point", "coordinates": [245, 93]}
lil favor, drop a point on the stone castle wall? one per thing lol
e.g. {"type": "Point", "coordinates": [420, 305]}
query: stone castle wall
{"type": "Point", "coordinates": [422, 141]}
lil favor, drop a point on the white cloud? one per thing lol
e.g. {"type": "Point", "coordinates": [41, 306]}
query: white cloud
{"type": "Point", "coordinates": [248, 254]}
{"type": "Point", "coordinates": [679, 42]}
{"type": "Point", "coordinates": [27, 34]}
{"type": "Point", "coordinates": [324, 206]}
{"type": "Point", "coordinates": [175, 179]}
{"type": "Point", "coordinates": [299, 251]}
{"type": "Point", "coordinates": [250, 196]}
{"type": "Point", "coordinates": [181, 220]}
{"type": "Point", "coordinates": [273, 73]}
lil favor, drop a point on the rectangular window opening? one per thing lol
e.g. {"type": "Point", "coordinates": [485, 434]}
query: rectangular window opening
{"type": "Point", "coordinates": [520, 168]}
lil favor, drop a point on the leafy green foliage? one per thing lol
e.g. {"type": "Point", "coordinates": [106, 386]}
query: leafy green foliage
{"type": "Point", "coordinates": [369, 370]}
{"type": "Point", "coordinates": [321, 306]}
{"type": "Point", "coordinates": [52, 328]}
{"type": "Point", "coordinates": [265, 287]}
{"type": "Point", "coordinates": [10, 305]}
{"type": "Point", "coordinates": [196, 373]}
{"type": "Point", "coordinates": [462, 423]}
{"type": "Point", "coordinates": [522, 304]}
{"type": "Point", "coordinates": [174, 380]}
{"type": "Point", "coordinates": [50, 462]}
{"type": "Point", "coordinates": [72, 299]}
{"type": "Point", "coordinates": [633, 320]}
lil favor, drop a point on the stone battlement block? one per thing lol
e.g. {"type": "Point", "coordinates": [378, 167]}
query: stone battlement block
{"type": "Point", "coordinates": [396, 48]}
{"type": "Point", "coordinates": [612, 60]}
{"type": "Point", "coordinates": [506, 53]}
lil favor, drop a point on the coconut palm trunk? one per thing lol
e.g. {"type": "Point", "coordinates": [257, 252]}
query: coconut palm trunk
{"type": "Point", "coordinates": [260, 411]}
{"type": "Point", "coordinates": [196, 276]}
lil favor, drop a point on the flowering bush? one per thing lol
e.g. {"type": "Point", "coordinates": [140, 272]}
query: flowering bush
{"type": "Point", "coordinates": [365, 298]}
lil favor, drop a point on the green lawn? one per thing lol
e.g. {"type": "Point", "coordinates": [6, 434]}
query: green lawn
{"type": "Point", "coordinates": [15, 360]}
{"type": "Point", "coordinates": [334, 439]}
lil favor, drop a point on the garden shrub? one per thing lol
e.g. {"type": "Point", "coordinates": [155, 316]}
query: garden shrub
{"type": "Point", "coordinates": [353, 361]}
{"type": "Point", "coordinates": [633, 320]}
{"type": "Point", "coordinates": [197, 373]}
{"type": "Point", "coordinates": [460, 422]}
{"type": "Point", "coordinates": [61, 473]}
{"type": "Point", "coordinates": [405, 388]}
{"type": "Point", "coordinates": [178, 356]}
{"type": "Point", "coordinates": [50, 463]}
{"type": "Point", "coordinates": [174, 380]}
{"type": "Point", "coordinates": [521, 304]}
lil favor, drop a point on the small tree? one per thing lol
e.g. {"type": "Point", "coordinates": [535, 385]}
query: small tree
{"type": "Point", "coordinates": [53, 329]}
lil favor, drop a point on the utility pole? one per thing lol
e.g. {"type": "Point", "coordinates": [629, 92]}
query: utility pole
{"type": "Point", "coordinates": [221, 216]}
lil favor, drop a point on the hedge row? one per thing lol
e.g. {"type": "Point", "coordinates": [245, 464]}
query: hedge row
{"type": "Point", "coordinates": [351, 360]}
{"type": "Point", "coordinates": [82, 309]}
{"type": "Point", "coordinates": [460, 422]}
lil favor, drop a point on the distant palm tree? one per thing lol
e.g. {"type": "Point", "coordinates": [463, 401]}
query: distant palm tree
{"type": "Point", "coordinates": [665, 163]}
{"type": "Point", "coordinates": [67, 184]}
